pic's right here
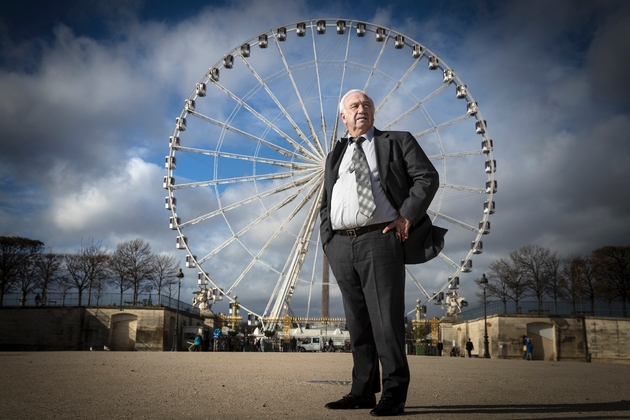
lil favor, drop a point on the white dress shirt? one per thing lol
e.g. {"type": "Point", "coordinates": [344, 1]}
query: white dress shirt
{"type": "Point", "coordinates": [344, 213]}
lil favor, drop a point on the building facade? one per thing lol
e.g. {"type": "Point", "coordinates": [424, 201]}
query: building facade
{"type": "Point", "coordinates": [578, 338]}
{"type": "Point", "coordinates": [97, 328]}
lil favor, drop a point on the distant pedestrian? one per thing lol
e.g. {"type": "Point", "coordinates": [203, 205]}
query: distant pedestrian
{"type": "Point", "coordinates": [440, 347]}
{"type": "Point", "coordinates": [217, 335]}
{"type": "Point", "coordinates": [38, 300]}
{"type": "Point", "coordinates": [528, 349]}
{"type": "Point", "coordinates": [524, 347]}
{"type": "Point", "coordinates": [469, 347]}
{"type": "Point", "coordinates": [197, 343]}
{"type": "Point", "coordinates": [293, 344]}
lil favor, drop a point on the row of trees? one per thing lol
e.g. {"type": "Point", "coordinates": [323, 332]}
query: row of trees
{"type": "Point", "coordinates": [535, 271]}
{"type": "Point", "coordinates": [26, 268]}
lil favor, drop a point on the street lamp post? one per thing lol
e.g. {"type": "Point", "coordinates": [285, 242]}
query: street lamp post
{"type": "Point", "coordinates": [180, 276]}
{"type": "Point", "coordinates": [484, 284]}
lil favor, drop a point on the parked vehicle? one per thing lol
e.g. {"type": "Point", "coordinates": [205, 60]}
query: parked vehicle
{"type": "Point", "coordinates": [312, 344]}
{"type": "Point", "coordinates": [321, 343]}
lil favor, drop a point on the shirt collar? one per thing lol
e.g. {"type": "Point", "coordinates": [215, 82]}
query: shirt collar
{"type": "Point", "coordinates": [369, 135]}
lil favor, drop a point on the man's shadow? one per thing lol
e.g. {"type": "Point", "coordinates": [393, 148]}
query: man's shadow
{"type": "Point", "coordinates": [502, 410]}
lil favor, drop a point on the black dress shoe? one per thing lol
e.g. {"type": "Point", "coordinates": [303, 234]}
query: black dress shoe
{"type": "Point", "coordinates": [352, 401]}
{"type": "Point", "coordinates": [387, 407]}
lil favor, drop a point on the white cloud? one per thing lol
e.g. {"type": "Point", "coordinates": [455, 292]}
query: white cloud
{"type": "Point", "coordinates": [105, 200]}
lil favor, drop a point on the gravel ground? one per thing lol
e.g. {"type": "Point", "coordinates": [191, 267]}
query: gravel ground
{"type": "Point", "coordinates": [139, 385]}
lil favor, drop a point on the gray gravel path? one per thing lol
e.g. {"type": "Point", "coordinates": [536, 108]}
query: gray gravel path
{"type": "Point", "coordinates": [139, 385]}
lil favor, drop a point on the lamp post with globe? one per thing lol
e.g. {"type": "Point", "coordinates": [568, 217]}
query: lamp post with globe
{"type": "Point", "coordinates": [484, 284]}
{"type": "Point", "coordinates": [180, 277]}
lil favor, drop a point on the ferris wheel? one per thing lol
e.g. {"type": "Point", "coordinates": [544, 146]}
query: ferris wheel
{"type": "Point", "coordinates": [245, 167]}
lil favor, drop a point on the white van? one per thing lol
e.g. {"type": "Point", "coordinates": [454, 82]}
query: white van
{"type": "Point", "coordinates": [311, 344]}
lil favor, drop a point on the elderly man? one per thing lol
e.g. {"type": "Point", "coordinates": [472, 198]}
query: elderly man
{"type": "Point", "coordinates": [378, 187]}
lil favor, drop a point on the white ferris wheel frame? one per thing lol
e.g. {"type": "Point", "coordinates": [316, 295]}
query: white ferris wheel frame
{"type": "Point", "coordinates": [305, 153]}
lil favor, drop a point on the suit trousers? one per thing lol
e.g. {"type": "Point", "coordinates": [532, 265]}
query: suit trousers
{"type": "Point", "coordinates": [370, 272]}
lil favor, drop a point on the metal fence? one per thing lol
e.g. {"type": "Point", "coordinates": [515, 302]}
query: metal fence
{"type": "Point", "coordinates": [548, 308]}
{"type": "Point", "coordinates": [102, 300]}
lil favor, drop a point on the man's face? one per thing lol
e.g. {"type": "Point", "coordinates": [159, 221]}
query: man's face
{"type": "Point", "coordinates": [358, 115]}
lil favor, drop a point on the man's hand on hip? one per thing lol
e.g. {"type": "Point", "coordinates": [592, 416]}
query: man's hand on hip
{"type": "Point", "coordinates": [401, 225]}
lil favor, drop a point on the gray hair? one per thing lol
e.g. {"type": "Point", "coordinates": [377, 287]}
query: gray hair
{"type": "Point", "coordinates": [342, 107]}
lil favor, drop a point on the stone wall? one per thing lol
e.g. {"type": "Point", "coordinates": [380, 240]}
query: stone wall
{"type": "Point", "coordinates": [608, 338]}
{"type": "Point", "coordinates": [554, 337]}
{"type": "Point", "coordinates": [82, 328]}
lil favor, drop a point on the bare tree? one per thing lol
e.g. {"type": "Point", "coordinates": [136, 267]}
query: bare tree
{"type": "Point", "coordinates": [533, 261]}
{"type": "Point", "coordinates": [589, 282]}
{"type": "Point", "coordinates": [612, 270]}
{"type": "Point", "coordinates": [500, 272]}
{"type": "Point", "coordinates": [87, 266]}
{"type": "Point", "coordinates": [606, 292]}
{"type": "Point", "coordinates": [512, 276]}
{"type": "Point", "coordinates": [138, 261]}
{"type": "Point", "coordinates": [579, 282]}
{"type": "Point", "coordinates": [554, 286]}
{"type": "Point", "coordinates": [119, 275]}
{"type": "Point", "coordinates": [27, 279]}
{"type": "Point", "coordinates": [49, 269]}
{"type": "Point", "coordinates": [14, 252]}
{"type": "Point", "coordinates": [99, 287]}
{"type": "Point", "coordinates": [64, 286]}
{"type": "Point", "coordinates": [164, 270]}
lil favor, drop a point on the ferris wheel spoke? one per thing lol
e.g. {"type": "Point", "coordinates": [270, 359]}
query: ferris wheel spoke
{"type": "Point", "coordinates": [238, 204]}
{"type": "Point", "coordinates": [375, 65]}
{"type": "Point", "coordinates": [274, 162]}
{"type": "Point", "coordinates": [450, 262]}
{"type": "Point", "coordinates": [272, 146]}
{"type": "Point", "coordinates": [417, 105]}
{"type": "Point", "coordinates": [315, 142]}
{"type": "Point", "coordinates": [235, 180]}
{"type": "Point", "coordinates": [335, 136]}
{"type": "Point", "coordinates": [456, 155]}
{"type": "Point", "coordinates": [464, 188]}
{"type": "Point", "coordinates": [255, 222]}
{"type": "Point", "coordinates": [275, 99]}
{"type": "Point", "coordinates": [453, 221]}
{"type": "Point", "coordinates": [441, 126]}
{"type": "Point", "coordinates": [397, 86]}
{"type": "Point", "coordinates": [283, 274]}
{"type": "Point", "coordinates": [312, 281]}
{"type": "Point", "coordinates": [256, 258]}
{"type": "Point", "coordinates": [416, 282]}
{"type": "Point", "coordinates": [319, 92]}
{"type": "Point", "coordinates": [297, 257]}
{"type": "Point", "coordinates": [245, 105]}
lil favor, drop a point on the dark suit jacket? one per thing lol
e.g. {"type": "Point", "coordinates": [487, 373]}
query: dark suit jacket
{"type": "Point", "coordinates": [410, 182]}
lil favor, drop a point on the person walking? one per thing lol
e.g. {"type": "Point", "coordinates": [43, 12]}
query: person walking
{"type": "Point", "coordinates": [440, 348]}
{"type": "Point", "coordinates": [528, 349]}
{"type": "Point", "coordinates": [378, 186]}
{"type": "Point", "coordinates": [217, 335]}
{"type": "Point", "coordinates": [524, 347]}
{"type": "Point", "coordinates": [469, 347]}
{"type": "Point", "coordinates": [197, 343]}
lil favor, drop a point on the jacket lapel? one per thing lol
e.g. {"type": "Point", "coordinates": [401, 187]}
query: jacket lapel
{"type": "Point", "coordinates": [382, 146]}
{"type": "Point", "coordinates": [335, 158]}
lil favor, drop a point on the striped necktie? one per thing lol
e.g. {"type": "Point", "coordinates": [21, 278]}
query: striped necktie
{"type": "Point", "coordinates": [362, 175]}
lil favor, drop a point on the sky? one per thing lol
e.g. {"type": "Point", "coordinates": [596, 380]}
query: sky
{"type": "Point", "coordinates": [91, 90]}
